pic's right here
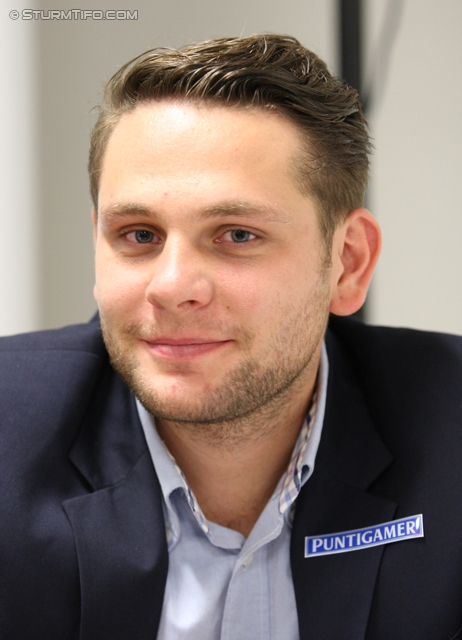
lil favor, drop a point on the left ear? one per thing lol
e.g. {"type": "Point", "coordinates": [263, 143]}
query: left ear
{"type": "Point", "coordinates": [355, 251]}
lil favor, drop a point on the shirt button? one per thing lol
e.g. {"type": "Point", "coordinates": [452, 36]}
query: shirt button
{"type": "Point", "coordinates": [247, 561]}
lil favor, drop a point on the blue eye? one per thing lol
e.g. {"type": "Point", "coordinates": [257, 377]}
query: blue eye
{"type": "Point", "coordinates": [143, 237]}
{"type": "Point", "coordinates": [239, 235]}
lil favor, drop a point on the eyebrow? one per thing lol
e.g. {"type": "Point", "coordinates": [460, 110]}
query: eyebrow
{"type": "Point", "coordinates": [224, 209]}
{"type": "Point", "coordinates": [250, 209]}
{"type": "Point", "coordinates": [126, 209]}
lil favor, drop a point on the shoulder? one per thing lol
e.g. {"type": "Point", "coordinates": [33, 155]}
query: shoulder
{"type": "Point", "coordinates": [398, 362]}
{"type": "Point", "coordinates": [48, 381]}
{"type": "Point", "coordinates": [79, 337]}
{"type": "Point", "coordinates": [42, 371]}
{"type": "Point", "coordinates": [410, 380]}
{"type": "Point", "coordinates": [386, 346]}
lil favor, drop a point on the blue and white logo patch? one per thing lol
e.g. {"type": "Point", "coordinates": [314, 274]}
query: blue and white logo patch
{"type": "Point", "coordinates": [394, 531]}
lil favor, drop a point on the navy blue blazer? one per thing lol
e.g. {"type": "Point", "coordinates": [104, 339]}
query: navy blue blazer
{"type": "Point", "coordinates": [83, 551]}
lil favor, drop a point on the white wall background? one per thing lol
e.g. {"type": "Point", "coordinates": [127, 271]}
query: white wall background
{"type": "Point", "coordinates": [54, 71]}
{"type": "Point", "coordinates": [19, 210]}
{"type": "Point", "coordinates": [417, 169]}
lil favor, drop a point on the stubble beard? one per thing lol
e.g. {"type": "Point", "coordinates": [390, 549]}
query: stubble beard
{"type": "Point", "coordinates": [248, 398]}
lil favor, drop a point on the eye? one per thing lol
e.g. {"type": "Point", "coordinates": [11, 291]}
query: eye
{"type": "Point", "coordinates": [238, 235]}
{"type": "Point", "coordinates": [142, 236]}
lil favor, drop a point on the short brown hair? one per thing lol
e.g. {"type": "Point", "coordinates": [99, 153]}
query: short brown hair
{"type": "Point", "coordinates": [262, 71]}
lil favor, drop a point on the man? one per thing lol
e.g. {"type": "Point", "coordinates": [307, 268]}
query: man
{"type": "Point", "coordinates": [221, 467]}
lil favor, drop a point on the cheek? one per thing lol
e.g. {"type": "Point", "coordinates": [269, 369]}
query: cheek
{"type": "Point", "coordinates": [253, 297]}
{"type": "Point", "coordinates": [118, 289]}
{"type": "Point", "coordinates": [242, 290]}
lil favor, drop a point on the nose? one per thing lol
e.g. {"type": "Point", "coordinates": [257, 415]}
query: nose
{"type": "Point", "coordinates": [179, 280]}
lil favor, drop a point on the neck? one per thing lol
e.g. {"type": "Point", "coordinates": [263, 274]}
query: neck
{"type": "Point", "coordinates": [234, 468]}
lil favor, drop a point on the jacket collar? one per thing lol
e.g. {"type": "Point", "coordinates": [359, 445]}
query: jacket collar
{"type": "Point", "coordinates": [111, 440]}
{"type": "Point", "coordinates": [334, 592]}
{"type": "Point", "coordinates": [118, 527]}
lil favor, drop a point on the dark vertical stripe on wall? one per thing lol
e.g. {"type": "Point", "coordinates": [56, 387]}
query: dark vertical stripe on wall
{"type": "Point", "coordinates": [350, 56]}
{"type": "Point", "coordinates": [350, 42]}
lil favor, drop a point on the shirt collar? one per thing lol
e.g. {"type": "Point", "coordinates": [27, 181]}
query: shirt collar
{"type": "Point", "coordinates": [300, 467]}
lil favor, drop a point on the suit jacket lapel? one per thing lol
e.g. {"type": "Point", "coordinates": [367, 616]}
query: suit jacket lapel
{"type": "Point", "coordinates": [334, 592]}
{"type": "Point", "coordinates": [118, 528]}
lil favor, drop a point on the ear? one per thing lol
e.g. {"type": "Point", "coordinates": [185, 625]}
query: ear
{"type": "Point", "coordinates": [355, 251]}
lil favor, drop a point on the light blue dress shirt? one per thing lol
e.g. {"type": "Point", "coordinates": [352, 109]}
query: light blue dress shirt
{"type": "Point", "coordinates": [220, 585]}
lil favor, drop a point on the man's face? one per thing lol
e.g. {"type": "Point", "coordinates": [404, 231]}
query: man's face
{"type": "Point", "coordinates": [211, 278]}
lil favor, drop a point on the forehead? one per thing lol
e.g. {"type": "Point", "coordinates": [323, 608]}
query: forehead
{"type": "Point", "coordinates": [192, 127]}
{"type": "Point", "coordinates": [204, 154]}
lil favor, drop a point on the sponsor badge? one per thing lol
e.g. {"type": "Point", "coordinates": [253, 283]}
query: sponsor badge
{"type": "Point", "coordinates": [356, 539]}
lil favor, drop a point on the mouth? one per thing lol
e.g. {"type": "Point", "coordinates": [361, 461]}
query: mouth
{"type": "Point", "coordinates": [183, 348]}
